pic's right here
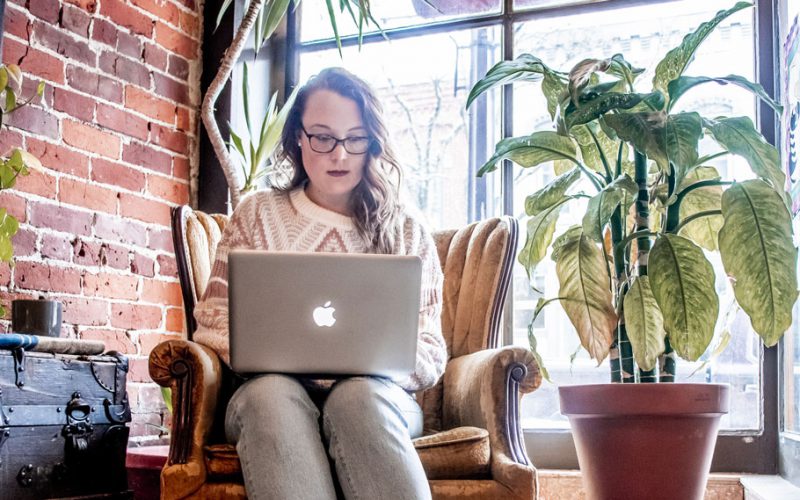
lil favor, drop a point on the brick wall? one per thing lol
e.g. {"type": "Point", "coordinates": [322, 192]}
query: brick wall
{"type": "Point", "coordinates": [116, 133]}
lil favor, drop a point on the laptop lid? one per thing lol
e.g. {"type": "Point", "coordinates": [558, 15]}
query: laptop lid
{"type": "Point", "coordinates": [323, 314]}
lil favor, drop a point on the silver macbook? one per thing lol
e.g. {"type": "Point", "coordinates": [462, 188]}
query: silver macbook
{"type": "Point", "coordinates": [323, 314]}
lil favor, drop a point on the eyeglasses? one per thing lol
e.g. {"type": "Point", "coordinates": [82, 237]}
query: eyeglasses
{"type": "Point", "coordinates": [325, 143]}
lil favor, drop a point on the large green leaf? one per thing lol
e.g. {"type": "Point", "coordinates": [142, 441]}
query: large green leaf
{"type": "Point", "coordinates": [703, 230]}
{"type": "Point", "coordinates": [682, 280]}
{"type": "Point", "coordinates": [675, 62]}
{"type": "Point", "coordinates": [757, 251]}
{"type": "Point", "coordinates": [540, 234]}
{"type": "Point", "coordinates": [526, 67]}
{"type": "Point", "coordinates": [532, 150]}
{"type": "Point", "coordinates": [644, 131]}
{"type": "Point", "coordinates": [585, 295]}
{"type": "Point", "coordinates": [680, 86]}
{"type": "Point", "coordinates": [739, 136]}
{"type": "Point", "coordinates": [682, 132]}
{"type": "Point", "coordinates": [600, 105]}
{"type": "Point", "coordinates": [602, 205]}
{"type": "Point", "coordinates": [644, 323]}
{"type": "Point", "coordinates": [581, 74]}
{"type": "Point", "coordinates": [277, 9]}
{"type": "Point", "coordinates": [553, 89]}
{"type": "Point", "coordinates": [593, 153]}
{"type": "Point", "coordinates": [623, 69]}
{"type": "Point", "coordinates": [552, 193]}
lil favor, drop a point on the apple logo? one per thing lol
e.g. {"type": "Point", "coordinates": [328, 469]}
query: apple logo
{"type": "Point", "coordinates": [323, 315]}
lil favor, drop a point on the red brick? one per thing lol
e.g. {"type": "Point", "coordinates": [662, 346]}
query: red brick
{"type": "Point", "coordinates": [117, 174]}
{"type": "Point", "coordinates": [171, 89]}
{"type": "Point", "coordinates": [9, 140]}
{"type": "Point", "coordinates": [150, 397]}
{"type": "Point", "coordinates": [115, 340]}
{"type": "Point", "coordinates": [94, 84]}
{"type": "Point", "coordinates": [128, 17]}
{"type": "Point", "coordinates": [180, 168]}
{"type": "Point", "coordinates": [112, 286]}
{"type": "Point", "coordinates": [16, 23]}
{"type": "Point", "coordinates": [175, 320]}
{"type": "Point", "coordinates": [33, 61]}
{"type": "Point", "coordinates": [24, 243]}
{"type": "Point", "coordinates": [56, 157]}
{"type": "Point", "coordinates": [86, 253]}
{"type": "Point", "coordinates": [76, 20]}
{"type": "Point", "coordinates": [81, 311]}
{"type": "Point", "coordinates": [176, 41]}
{"type": "Point", "coordinates": [39, 183]}
{"type": "Point", "coordinates": [77, 105]}
{"type": "Point", "coordinates": [143, 155]}
{"type": "Point", "coordinates": [178, 67]}
{"type": "Point", "coordinates": [136, 207]}
{"type": "Point", "coordinates": [130, 45]}
{"type": "Point", "coordinates": [115, 256]}
{"type": "Point", "coordinates": [64, 44]}
{"type": "Point", "coordinates": [34, 119]}
{"type": "Point", "coordinates": [90, 139]}
{"type": "Point", "coordinates": [168, 189]}
{"type": "Point", "coordinates": [146, 103]}
{"type": "Point", "coordinates": [87, 5]}
{"type": "Point", "coordinates": [39, 276]}
{"type": "Point", "coordinates": [189, 4]}
{"type": "Point", "coordinates": [60, 218]}
{"type": "Point", "coordinates": [5, 274]}
{"type": "Point", "coordinates": [14, 205]}
{"type": "Point", "coordinates": [168, 138]}
{"type": "Point", "coordinates": [104, 31]}
{"type": "Point", "coordinates": [121, 121]}
{"type": "Point", "coordinates": [147, 341]}
{"type": "Point", "coordinates": [45, 9]}
{"type": "Point", "coordinates": [118, 229]}
{"type": "Point", "coordinates": [162, 9]}
{"type": "Point", "coordinates": [161, 292]}
{"type": "Point", "coordinates": [84, 195]}
{"type": "Point", "coordinates": [138, 371]}
{"type": "Point", "coordinates": [155, 56]}
{"type": "Point", "coordinates": [124, 68]}
{"type": "Point", "coordinates": [167, 266]}
{"type": "Point", "coordinates": [190, 24]}
{"type": "Point", "coordinates": [183, 120]}
{"type": "Point", "coordinates": [143, 265]}
{"type": "Point", "coordinates": [135, 316]}
{"type": "Point", "coordinates": [159, 239]}
{"type": "Point", "coordinates": [57, 247]}
{"type": "Point", "coordinates": [29, 87]}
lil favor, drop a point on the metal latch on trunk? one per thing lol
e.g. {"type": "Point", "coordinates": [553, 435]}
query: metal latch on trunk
{"type": "Point", "coordinates": [78, 428]}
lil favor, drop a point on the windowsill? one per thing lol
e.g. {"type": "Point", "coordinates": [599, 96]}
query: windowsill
{"type": "Point", "coordinates": [566, 485]}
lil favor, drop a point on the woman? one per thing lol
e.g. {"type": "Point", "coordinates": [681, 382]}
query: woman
{"type": "Point", "coordinates": [343, 197]}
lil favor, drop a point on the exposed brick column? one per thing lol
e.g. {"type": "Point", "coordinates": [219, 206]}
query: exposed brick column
{"type": "Point", "coordinates": [117, 134]}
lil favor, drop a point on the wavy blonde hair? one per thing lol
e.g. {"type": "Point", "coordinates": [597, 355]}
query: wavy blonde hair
{"type": "Point", "coordinates": [375, 201]}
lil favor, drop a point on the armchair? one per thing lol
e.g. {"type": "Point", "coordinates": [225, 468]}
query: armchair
{"type": "Point", "coordinates": [472, 446]}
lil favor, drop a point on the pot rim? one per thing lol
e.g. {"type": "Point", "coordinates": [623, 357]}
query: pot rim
{"type": "Point", "coordinates": [645, 399]}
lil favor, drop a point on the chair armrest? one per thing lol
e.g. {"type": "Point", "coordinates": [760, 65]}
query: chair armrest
{"type": "Point", "coordinates": [483, 389]}
{"type": "Point", "coordinates": [193, 373]}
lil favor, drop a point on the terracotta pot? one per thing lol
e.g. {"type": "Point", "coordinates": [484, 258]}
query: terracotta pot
{"type": "Point", "coordinates": [644, 441]}
{"type": "Point", "coordinates": [144, 466]}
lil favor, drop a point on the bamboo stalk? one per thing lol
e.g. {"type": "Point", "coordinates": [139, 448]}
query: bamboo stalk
{"type": "Point", "coordinates": [212, 94]}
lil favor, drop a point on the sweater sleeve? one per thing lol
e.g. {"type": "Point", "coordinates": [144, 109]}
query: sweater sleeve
{"type": "Point", "coordinates": [431, 347]}
{"type": "Point", "coordinates": [211, 312]}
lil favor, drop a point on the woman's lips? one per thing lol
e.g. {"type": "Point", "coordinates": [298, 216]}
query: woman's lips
{"type": "Point", "coordinates": [337, 173]}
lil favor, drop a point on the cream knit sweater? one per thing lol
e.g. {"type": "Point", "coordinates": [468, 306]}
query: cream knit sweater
{"type": "Point", "coordinates": [271, 220]}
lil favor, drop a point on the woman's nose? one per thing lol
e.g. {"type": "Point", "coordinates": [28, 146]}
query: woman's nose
{"type": "Point", "coordinates": [339, 152]}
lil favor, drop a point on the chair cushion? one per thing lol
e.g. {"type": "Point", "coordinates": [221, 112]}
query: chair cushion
{"type": "Point", "coordinates": [461, 453]}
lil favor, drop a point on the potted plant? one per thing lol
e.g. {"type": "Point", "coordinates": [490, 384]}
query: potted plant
{"type": "Point", "coordinates": [634, 278]}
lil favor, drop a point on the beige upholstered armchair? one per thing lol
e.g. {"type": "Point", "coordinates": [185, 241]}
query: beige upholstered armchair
{"type": "Point", "coordinates": [472, 447]}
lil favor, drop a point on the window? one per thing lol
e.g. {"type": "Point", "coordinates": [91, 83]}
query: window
{"type": "Point", "coordinates": [437, 50]}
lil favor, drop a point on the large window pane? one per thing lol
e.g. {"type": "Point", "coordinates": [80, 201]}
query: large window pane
{"type": "Point", "coordinates": [316, 23]}
{"type": "Point", "coordinates": [539, 4]}
{"type": "Point", "coordinates": [423, 84]}
{"type": "Point", "coordinates": [643, 34]}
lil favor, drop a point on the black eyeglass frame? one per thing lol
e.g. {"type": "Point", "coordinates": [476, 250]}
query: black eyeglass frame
{"type": "Point", "coordinates": [336, 142]}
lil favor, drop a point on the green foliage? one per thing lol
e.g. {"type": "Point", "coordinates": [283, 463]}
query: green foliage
{"type": "Point", "coordinates": [649, 267]}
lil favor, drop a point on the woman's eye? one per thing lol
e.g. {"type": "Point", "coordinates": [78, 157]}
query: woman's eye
{"type": "Point", "coordinates": [324, 138]}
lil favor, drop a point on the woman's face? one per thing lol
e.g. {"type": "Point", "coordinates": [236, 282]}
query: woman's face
{"type": "Point", "coordinates": [332, 176]}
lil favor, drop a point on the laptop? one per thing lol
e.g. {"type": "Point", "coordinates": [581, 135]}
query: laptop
{"type": "Point", "coordinates": [323, 314]}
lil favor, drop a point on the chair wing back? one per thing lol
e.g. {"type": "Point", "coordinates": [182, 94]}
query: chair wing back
{"type": "Point", "coordinates": [195, 235]}
{"type": "Point", "coordinates": [476, 262]}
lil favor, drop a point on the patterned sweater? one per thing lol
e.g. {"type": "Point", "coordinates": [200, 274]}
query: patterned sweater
{"type": "Point", "coordinates": [291, 222]}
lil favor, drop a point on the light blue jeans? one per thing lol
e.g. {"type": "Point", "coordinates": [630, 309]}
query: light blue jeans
{"type": "Point", "coordinates": [367, 424]}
